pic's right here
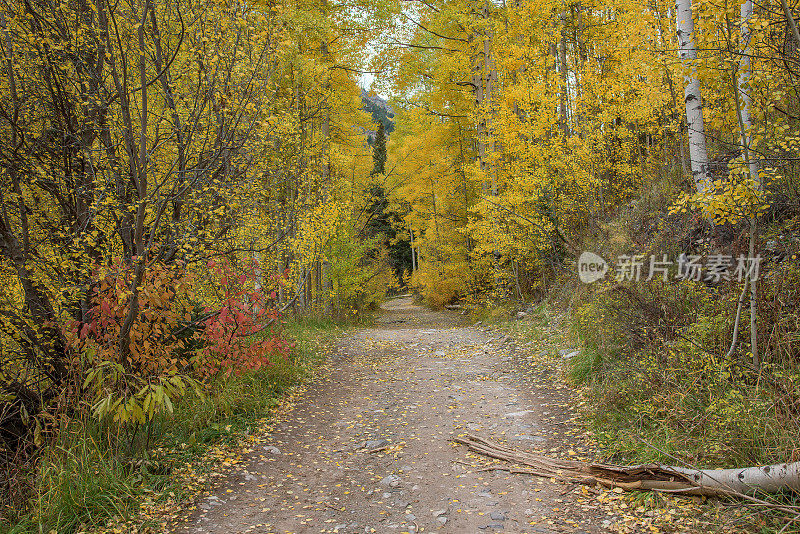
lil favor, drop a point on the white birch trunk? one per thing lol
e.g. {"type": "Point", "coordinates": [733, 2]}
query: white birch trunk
{"type": "Point", "coordinates": [562, 69]}
{"type": "Point", "coordinates": [413, 254]}
{"type": "Point", "coordinates": [767, 479]}
{"type": "Point", "coordinates": [746, 125]}
{"type": "Point", "coordinates": [740, 481]}
{"type": "Point", "coordinates": [744, 93]}
{"type": "Point", "coordinates": [694, 102]}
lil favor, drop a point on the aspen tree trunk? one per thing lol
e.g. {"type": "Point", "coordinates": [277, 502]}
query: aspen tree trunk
{"type": "Point", "coordinates": [549, 83]}
{"type": "Point", "coordinates": [791, 22]}
{"type": "Point", "coordinates": [698, 154]}
{"type": "Point", "coordinates": [739, 482]}
{"type": "Point", "coordinates": [744, 94]}
{"type": "Point", "coordinates": [477, 91]}
{"type": "Point", "coordinates": [579, 68]}
{"type": "Point", "coordinates": [325, 152]}
{"type": "Point", "coordinates": [662, 34]}
{"type": "Point", "coordinates": [562, 70]}
{"type": "Point", "coordinates": [299, 96]}
{"type": "Point", "coordinates": [491, 79]}
{"type": "Point", "coordinates": [413, 253]}
{"type": "Point", "coordinates": [465, 183]}
{"type": "Point", "coordinates": [490, 74]}
{"type": "Point", "coordinates": [746, 124]}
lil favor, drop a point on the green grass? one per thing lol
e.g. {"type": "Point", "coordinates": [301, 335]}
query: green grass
{"type": "Point", "coordinates": [89, 475]}
{"type": "Point", "coordinates": [584, 365]}
{"type": "Point", "coordinates": [666, 403]}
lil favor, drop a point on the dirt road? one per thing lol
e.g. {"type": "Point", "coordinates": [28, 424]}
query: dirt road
{"type": "Point", "coordinates": [367, 448]}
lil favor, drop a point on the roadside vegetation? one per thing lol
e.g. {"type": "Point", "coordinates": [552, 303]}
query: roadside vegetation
{"type": "Point", "coordinates": [92, 479]}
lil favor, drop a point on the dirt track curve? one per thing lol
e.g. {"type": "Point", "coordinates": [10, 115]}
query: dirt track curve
{"type": "Point", "coordinates": [367, 448]}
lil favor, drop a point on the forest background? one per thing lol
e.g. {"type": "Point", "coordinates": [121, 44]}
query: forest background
{"type": "Point", "coordinates": [181, 178]}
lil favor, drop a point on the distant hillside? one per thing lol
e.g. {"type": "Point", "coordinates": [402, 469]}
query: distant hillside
{"type": "Point", "coordinates": [380, 110]}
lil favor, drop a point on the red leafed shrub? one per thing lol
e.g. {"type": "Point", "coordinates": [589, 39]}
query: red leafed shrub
{"type": "Point", "coordinates": [154, 346]}
{"type": "Point", "coordinates": [173, 343]}
{"type": "Point", "coordinates": [243, 333]}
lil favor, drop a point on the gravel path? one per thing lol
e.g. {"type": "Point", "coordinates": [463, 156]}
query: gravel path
{"type": "Point", "coordinates": [367, 449]}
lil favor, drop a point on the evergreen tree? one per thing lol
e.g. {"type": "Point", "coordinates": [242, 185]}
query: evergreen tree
{"type": "Point", "coordinates": [383, 224]}
{"type": "Point", "coordinates": [379, 151]}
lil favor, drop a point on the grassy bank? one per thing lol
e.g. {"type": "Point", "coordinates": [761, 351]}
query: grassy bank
{"type": "Point", "coordinates": [662, 387]}
{"type": "Point", "coordinates": [667, 398]}
{"type": "Point", "coordinates": [90, 479]}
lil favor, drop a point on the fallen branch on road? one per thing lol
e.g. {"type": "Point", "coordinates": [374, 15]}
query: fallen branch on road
{"type": "Point", "coordinates": [740, 482]}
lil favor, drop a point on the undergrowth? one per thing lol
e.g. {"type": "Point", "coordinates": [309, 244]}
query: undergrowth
{"type": "Point", "coordinates": [666, 397]}
{"type": "Point", "coordinates": [663, 388]}
{"type": "Point", "coordinates": [88, 476]}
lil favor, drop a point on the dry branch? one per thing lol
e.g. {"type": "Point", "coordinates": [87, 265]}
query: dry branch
{"type": "Point", "coordinates": [738, 482]}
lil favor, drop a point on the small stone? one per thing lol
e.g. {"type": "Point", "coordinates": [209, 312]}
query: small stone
{"type": "Point", "coordinates": [391, 481]}
{"type": "Point", "coordinates": [376, 443]}
{"type": "Point", "coordinates": [439, 354]}
{"type": "Point", "coordinates": [442, 520]}
{"type": "Point", "coordinates": [438, 513]}
{"type": "Point", "coordinates": [518, 414]}
{"type": "Point", "coordinates": [272, 450]}
{"type": "Point", "coordinates": [570, 355]}
{"type": "Point", "coordinates": [498, 516]}
{"type": "Point", "coordinates": [411, 517]}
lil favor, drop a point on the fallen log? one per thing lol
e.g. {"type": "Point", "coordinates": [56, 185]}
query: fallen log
{"type": "Point", "coordinates": [654, 477]}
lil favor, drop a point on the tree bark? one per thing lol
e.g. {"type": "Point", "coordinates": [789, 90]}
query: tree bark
{"type": "Point", "coordinates": [656, 477]}
{"type": "Point", "coordinates": [742, 90]}
{"type": "Point", "coordinates": [562, 70]}
{"type": "Point", "coordinates": [698, 154]}
{"type": "Point", "coordinates": [790, 21]}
